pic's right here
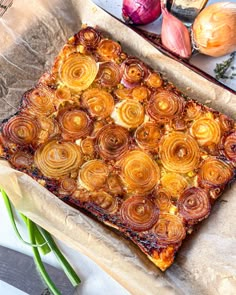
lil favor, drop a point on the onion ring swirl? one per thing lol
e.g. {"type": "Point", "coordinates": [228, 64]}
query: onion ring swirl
{"type": "Point", "coordinates": [105, 201]}
{"type": "Point", "coordinates": [179, 152]}
{"type": "Point", "coordinates": [139, 172]}
{"type": "Point", "coordinates": [194, 204]}
{"type": "Point", "coordinates": [68, 185]}
{"type": "Point", "coordinates": [163, 200]}
{"type": "Point", "coordinates": [134, 71]}
{"type": "Point", "coordinates": [174, 183]}
{"type": "Point", "coordinates": [148, 135]}
{"type": "Point", "coordinates": [165, 106]}
{"type": "Point", "coordinates": [78, 71]}
{"type": "Point", "coordinates": [108, 74]}
{"type": "Point", "coordinates": [93, 175]}
{"type": "Point", "coordinates": [128, 113]}
{"type": "Point", "coordinates": [154, 80]}
{"type": "Point", "coordinates": [169, 229]}
{"type": "Point", "coordinates": [214, 173]}
{"type": "Point", "coordinates": [74, 124]}
{"type": "Point", "coordinates": [89, 38]}
{"type": "Point", "coordinates": [140, 93]}
{"type": "Point", "coordinates": [112, 142]}
{"type": "Point", "coordinates": [21, 129]}
{"type": "Point", "coordinates": [21, 159]}
{"type": "Point", "coordinates": [206, 131]}
{"type": "Point", "coordinates": [57, 159]}
{"type": "Point", "coordinates": [99, 102]}
{"type": "Point", "coordinates": [139, 213]}
{"type": "Point", "coordinates": [39, 101]}
{"type": "Point", "coordinates": [230, 146]}
{"type": "Point", "coordinates": [108, 49]}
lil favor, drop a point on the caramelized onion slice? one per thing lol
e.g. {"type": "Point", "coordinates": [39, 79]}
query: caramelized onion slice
{"type": "Point", "coordinates": [108, 74]}
{"type": "Point", "coordinates": [63, 94]}
{"type": "Point", "coordinates": [87, 146]}
{"type": "Point", "coordinates": [193, 110]}
{"type": "Point", "coordinates": [139, 213]}
{"type": "Point", "coordinates": [194, 204]}
{"type": "Point", "coordinates": [179, 152]}
{"type": "Point", "coordinates": [174, 183]}
{"type": "Point", "coordinates": [134, 71]}
{"type": "Point", "coordinates": [108, 49]}
{"type": "Point", "coordinates": [148, 135]}
{"type": "Point", "coordinates": [128, 113]}
{"type": "Point", "coordinates": [165, 105]}
{"type": "Point", "coordinates": [112, 142]}
{"type": "Point", "coordinates": [21, 159]}
{"type": "Point", "coordinates": [105, 201]}
{"type": "Point", "coordinates": [230, 146]}
{"type": "Point", "coordinates": [169, 229]}
{"type": "Point", "coordinates": [57, 159]}
{"type": "Point", "coordinates": [154, 80]}
{"type": "Point", "coordinates": [78, 71]}
{"type": "Point", "coordinates": [163, 200]}
{"type": "Point", "coordinates": [139, 173]}
{"type": "Point", "coordinates": [68, 185]}
{"type": "Point", "coordinates": [206, 131]}
{"type": "Point", "coordinates": [99, 102]}
{"type": "Point", "coordinates": [74, 123]}
{"type": "Point", "coordinates": [214, 173]}
{"type": "Point", "coordinates": [39, 101]}
{"type": "Point", "coordinates": [93, 175]}
{"type": "Point", "coordinates": [114, 184]}
{"type": "Point", "coordinates": [140, 93]}
{"type": "Point", "coordinates": [123, 93]}
{"type": "Point", "coordinates": [21, 129]}
{"type": "Point", "coordinates": [89, 38]}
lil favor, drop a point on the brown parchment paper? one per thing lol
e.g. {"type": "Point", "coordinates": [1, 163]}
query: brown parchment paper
{"type": "Point", "coordinates": [32, 33]}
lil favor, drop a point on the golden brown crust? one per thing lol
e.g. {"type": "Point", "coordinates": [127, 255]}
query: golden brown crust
{"type": "Point", "coordinates": [107, 134]}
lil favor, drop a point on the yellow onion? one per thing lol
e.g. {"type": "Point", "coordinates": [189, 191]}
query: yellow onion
{"type": "Point", "coordinates": [74, 123]}
{"type": "Point", "coordinates": [88, 37]}
{"type": "Point", "coordinates": [105, 201]}
{"type": "Point", "coordinates": [114, 184]}
{"type": "Point", "coordinates": [108, 74]}
{"type": "Point", "coordinates": [148, 135]}
{"type": "Point", "coordinates": [134, 71]}
{"type": "Point", "coordinates": [128, 113]}
{"type": "Point", "coordinates": [49, 128]}
{"type": "Point", "coordinates": [206, 131]}
{"type": "Point", "coordinates": [68, 185]}
{"type": "Point", "coordinates": [123, 93]}
{"type": "Point", "coordinates": [193, 110]}
{"type": "Point", "coordinates": [39, 101]}
{"type": "Point", "coordinates": [165, 106]}
{"type": "Point", "coordinates": [214, 29]}
{"type": "Point", "coordinates": [99, 102]}
{"type": "Point", "coordinates": [139, 173]}
{"type": "Point", "coordinates": [194, 204]}
{"type": "Point", "coordinates": [214, 173]}
{"type": "Point", "coordinates": [179, 152]}
{"type": "Point", "coordinates": [230, 146]}
{"type": "Point", "coordinates": [21, 129]}
{"type": "Point", "coordinates": [169, 229]}
{"type": "Point", "coordinates": [87, 146]}
{"type": "Point", "coordinates": [78, 71]}
{"type": "Point", "coordinates": [140, 93]}
{"type": "Point", "coordinates": [154, 80]}
{"type": "Point", "coordinates": [162, 200]}
{"type": "Point", "coordinates": [93, 175]}
{"type": "Point", "coordinates": [139, 213]}
{"type": "Point", "coordinates": [21, 159]}
{"type": "Point", "coordinates": [108, 49]}
{"type": "Point", "coordinates": [57, 159]}
{"type": "Point", "coordinates": [174, 183]}
{"type": "Point", "coordinates": [112, 142]}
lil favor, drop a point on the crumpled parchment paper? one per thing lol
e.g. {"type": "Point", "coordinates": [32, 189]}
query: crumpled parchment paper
{"type": "Point", "coordinates": [32, 33]}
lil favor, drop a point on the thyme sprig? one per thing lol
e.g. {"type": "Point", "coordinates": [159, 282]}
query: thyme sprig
{"type": "Point", "coordinates": [221, 68]}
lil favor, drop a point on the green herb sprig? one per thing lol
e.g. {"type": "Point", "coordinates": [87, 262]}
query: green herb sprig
{"type": "Point", "coordinates": [221, 68]}
{"type": "Point", "coordinates": [41, 240]}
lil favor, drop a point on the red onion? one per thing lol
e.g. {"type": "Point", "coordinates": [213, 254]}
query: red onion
{"type": "Point", "coordinates": [141, 12]}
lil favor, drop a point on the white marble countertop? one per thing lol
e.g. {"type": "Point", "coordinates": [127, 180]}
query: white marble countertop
{"type": "Point", "coordinates": [94, 280]}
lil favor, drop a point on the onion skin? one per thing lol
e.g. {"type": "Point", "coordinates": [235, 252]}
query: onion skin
{"type": "Point", "coordinates": [194, 205]}
{"type": "Point", "coordinates": [214, 29]}
{"type": "Point", "coordinates": [139, 213]}
{"type": "Point", "coordinates": [141, 12]}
